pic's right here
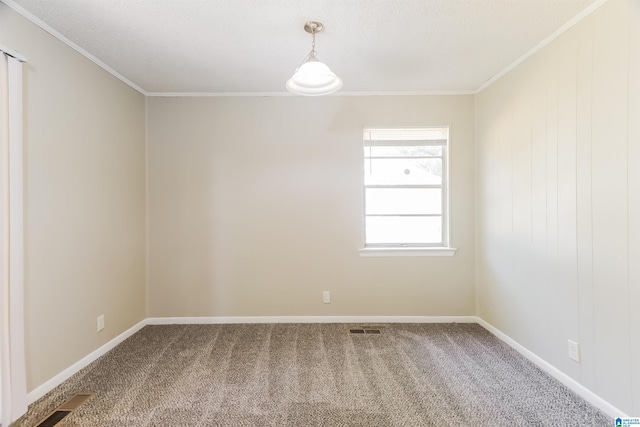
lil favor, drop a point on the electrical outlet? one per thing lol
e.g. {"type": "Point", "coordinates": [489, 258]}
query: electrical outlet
{"type": "Point", "coordinates": [326, 297]}
{"type": "Point", "coordinates": [100, 322]}
{"type": "Point", "coordinates": [574, 351]}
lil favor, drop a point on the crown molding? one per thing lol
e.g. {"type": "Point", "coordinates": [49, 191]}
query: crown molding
{"type": "Point", "coordinates": [579, 17]}
{"type": "Point", "coordinates": [37, 21]}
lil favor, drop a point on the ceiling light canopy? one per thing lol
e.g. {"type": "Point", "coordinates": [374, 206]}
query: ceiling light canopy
{"type": "Point", "coordinates": [313, 78]}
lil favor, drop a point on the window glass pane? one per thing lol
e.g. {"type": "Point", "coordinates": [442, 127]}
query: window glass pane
{"type": "Point", "coordinates": [403, 150]}
{"type": "Point", "coordinates": [403, 172]}
{"type": "Point", "coordinates": [403, 201]}
{"type": "Point", "coordinates": [398, 230]}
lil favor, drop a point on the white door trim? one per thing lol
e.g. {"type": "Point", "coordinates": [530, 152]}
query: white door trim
{"type": "Point", "coordinates": [14, 385]}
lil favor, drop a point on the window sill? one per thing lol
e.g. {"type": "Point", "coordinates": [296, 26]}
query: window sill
{"type": "Point", "coordinates": [378, 252]}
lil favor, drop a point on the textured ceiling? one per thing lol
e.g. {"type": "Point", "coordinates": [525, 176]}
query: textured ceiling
{"type": "Point", "coordinates": [253, 46]}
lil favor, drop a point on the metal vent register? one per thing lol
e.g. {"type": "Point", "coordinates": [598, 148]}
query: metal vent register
{"type": "Point", "coordinates": [366, 330]}
{"type": "Point", "coordinates": [73, 403]}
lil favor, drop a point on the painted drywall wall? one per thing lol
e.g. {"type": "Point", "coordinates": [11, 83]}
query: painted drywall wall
{"type": "Point", "coordinates": [256, 207]}
{"type": "Point", "coordinates": [84, 139]}
{"type": "Point", "coordinates": [558, 202]}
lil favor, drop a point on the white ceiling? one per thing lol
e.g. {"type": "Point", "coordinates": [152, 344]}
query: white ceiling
{"type": "Point", "coordinates": [254, 46]}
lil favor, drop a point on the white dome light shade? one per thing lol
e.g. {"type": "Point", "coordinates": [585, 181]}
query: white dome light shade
{"type": "Point", "coordinates": [313, 78]}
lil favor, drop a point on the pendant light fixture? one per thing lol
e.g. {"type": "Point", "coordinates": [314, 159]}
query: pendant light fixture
{"type": "Point", "coordinates": [313, 78]}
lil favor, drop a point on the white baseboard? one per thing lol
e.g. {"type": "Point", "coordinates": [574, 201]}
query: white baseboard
{"type": "Point", "coordinates": [45, 388]}
{"type": "Point", "coordinates": [310, 319]}
{"type": "Point", "coordinates": [569, 382]}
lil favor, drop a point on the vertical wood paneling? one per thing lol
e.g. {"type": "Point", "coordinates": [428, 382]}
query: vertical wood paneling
{"type": "Point", "coordinates": [567, 256]}
{"type": "Point", "coordinates": [634, 197]}
{"type": "Point", "coordinates": [584, 238]}
{"type": "Point", "coordinates": [551, 265]}
{"type": "Point", "coordinates": [609, 190]}
{"type": "Point", "coordinates": [490, 218]}
{"type": "Point", "coordinates": [521, 206]}
{"type": "Point", "coordinates": [579, 98]}
{"type": "Point", "coordinates": [506, 206]}
{"type": "Point", "coordinates": [487, 167]}
{"type": "Point", "coordinates": [539, 283]}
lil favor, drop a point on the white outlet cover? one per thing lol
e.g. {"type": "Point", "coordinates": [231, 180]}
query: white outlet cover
{"type": "Point", "coordinates": [574, 351]}
{"type": "Point", "coordinates": [326, 297]}
{"type": "Point", "coordinates": [100, 322]}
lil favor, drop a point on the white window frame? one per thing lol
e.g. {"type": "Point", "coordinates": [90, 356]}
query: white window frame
{"type": "Point", "coordinates": [410, 249]}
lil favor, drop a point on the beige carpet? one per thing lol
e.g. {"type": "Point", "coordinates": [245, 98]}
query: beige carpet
{"type": "Point", "coordinates": [316, 375]}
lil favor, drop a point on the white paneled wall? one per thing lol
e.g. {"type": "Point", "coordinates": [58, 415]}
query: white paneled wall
{"type": "Point", "coordinates": [559, 202]}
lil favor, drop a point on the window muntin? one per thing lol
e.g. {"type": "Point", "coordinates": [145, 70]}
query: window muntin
{"type": "Point", "coordinates": [405, 184]}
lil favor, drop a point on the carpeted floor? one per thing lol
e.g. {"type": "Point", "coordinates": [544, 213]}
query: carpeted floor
{"type": "Point", "coordinates": [303, 375]}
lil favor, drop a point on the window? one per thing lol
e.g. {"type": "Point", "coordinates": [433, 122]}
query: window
{"type": "Point", "coordinates": [405, 186]}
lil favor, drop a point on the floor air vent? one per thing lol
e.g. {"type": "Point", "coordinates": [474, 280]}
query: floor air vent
{"type": "Point", "coordinates": [65, 409]}
{"type": "Point", "coordinates": [365, 330]}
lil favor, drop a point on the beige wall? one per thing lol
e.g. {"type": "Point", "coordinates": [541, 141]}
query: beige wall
{"type": "Point", "coordinates": [558, 202]}
{"type": "Point", "coordinates": [84, 201]}
{"type": "Point", "coordinates": [256, 207]}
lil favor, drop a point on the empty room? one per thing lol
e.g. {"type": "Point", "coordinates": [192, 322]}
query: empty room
{"type": "Point", "coordinates": [295, 213]}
